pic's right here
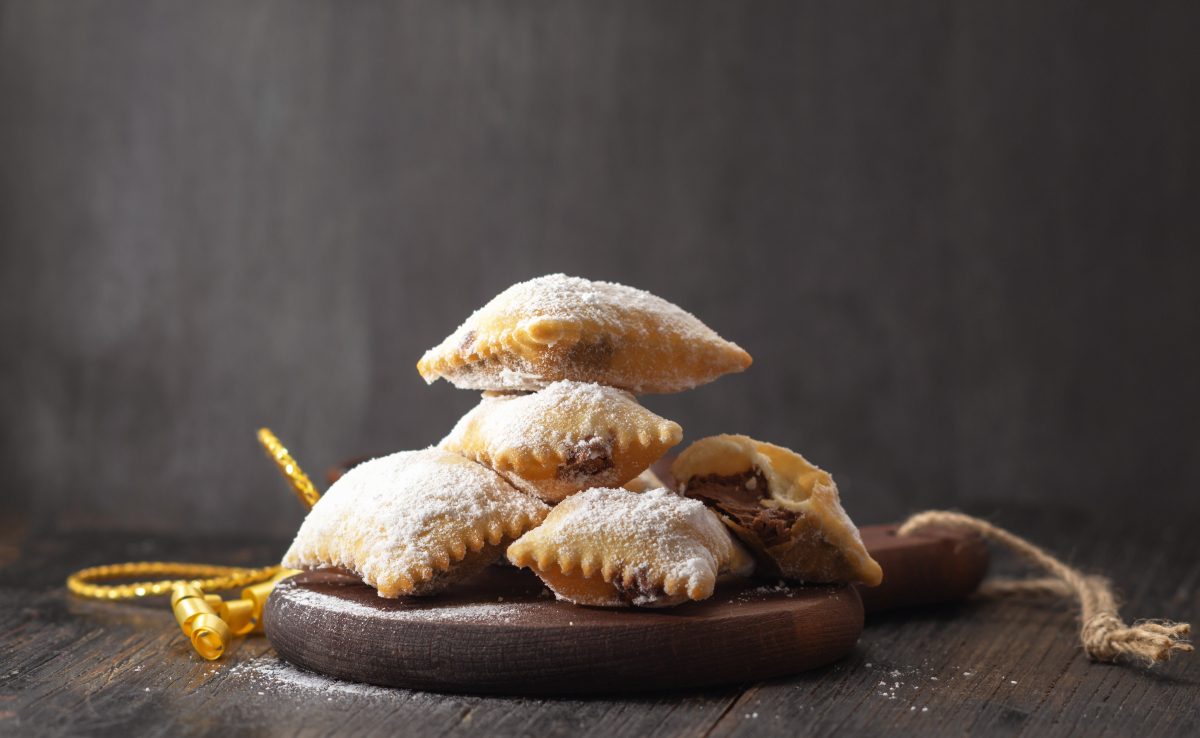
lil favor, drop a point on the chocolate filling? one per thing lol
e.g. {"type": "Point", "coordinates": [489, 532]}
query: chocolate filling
{"type": "Point", "coordinates": [740, 496]}
{"type": "Point", "coordinates": [586, 459]}
{"type": "Point", "coordinates": [640, 590]}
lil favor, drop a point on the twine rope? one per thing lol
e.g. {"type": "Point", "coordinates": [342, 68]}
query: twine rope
{"type": "Point", "coordinates": [1105, 637]}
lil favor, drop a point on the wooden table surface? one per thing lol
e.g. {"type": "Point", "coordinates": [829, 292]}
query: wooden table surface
{"type": "Point", "coordinates": [71, 667]}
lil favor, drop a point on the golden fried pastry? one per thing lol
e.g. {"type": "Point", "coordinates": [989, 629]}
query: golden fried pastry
{"type": "Point", "coordinates": [614, 548]}
{"type": "Point", "coordinates": [413, 522]}
{"type": "Point", "coordinates": [563, 439]}
{"type": "Point", "coordinates": [647, 480]}
{"type": "Point", "coordinates": [558, 327]}
{"type": "Point", "coordinates": [783, 508]}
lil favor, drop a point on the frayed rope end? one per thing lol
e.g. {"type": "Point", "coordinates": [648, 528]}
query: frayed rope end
{"type": "Point", "coordinates": [1105, 638]}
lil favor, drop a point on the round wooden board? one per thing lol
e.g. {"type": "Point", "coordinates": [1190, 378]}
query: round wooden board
{"type": "Point", "coordinates": [505, 634]}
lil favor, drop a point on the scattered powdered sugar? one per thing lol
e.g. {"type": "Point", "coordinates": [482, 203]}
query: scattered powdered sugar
{"type": "Point", "coordinates": [318, 604]}
{"type": "Point", "coordinates": [395, 516]}
{"type": "Point", "coordinates": [893, 686]}
{"type": "Point", "coordinates": [750, 595]}
{"type": "Point", "coordinates": [274, 676]}
{"type": "Point", "coordinates": [914, 686]}
{"type": "Point", "coordinates": [566, 413]}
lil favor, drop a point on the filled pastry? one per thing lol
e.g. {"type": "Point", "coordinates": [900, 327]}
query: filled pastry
{"type": "Point", "coordinates": [647, 480]}
{"type": "Point", "coordinates": [615, 548]}
{"type": "Point", "coordinates": [783, 508]}
{"type": "Point", "coordinates": [413, 522]}
{"type": "Point", "coordinates": [558, 327]}
{"type": "Point", "coordinates": [565, 438]}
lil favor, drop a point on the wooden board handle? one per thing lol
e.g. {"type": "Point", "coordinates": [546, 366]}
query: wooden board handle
{"type": "Point", "coordinates": [928, 568]}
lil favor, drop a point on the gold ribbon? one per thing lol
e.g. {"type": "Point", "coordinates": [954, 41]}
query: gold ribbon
{"type": "Point", "coordinates": [208, 621]}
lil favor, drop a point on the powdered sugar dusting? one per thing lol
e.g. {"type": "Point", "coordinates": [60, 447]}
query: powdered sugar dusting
{"type": "Point", "coordinates": [277, 677]}
{"type": "Point", "coordinates": [563, 414]}
{"type": "Point", "coordinates": [609, 323]}
{"type": "Point", "coordinates": [605, 304]}
{"type": "Point", "coordinates": [392, 517]}
{"type": "Point", "coordinates": [314, 603]}
{"type": "Point", "coordinates": [657, 534]}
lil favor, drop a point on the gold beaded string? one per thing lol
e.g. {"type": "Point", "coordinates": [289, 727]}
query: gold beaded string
{"type": "Point", "coordinates": [301, 484]}
{"type": "Point", "coordinates": [207, 620]}
{"type": "Point", "coordinates": [204, 576]}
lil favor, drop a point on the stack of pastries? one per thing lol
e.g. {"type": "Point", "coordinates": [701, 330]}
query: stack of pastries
{"type": "Point", "coordinates": [552, 468]}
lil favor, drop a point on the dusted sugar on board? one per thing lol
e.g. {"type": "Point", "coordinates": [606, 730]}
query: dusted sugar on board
{"type": "Point", "coordinates": [558, 327]}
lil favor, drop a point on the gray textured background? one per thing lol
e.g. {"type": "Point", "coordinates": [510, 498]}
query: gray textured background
{"type": "Point", "coordinates": [960, 239]}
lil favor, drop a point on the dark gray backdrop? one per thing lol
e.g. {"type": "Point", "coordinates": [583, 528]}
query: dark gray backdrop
{"type": "Point", "coordinates": [958, 238]}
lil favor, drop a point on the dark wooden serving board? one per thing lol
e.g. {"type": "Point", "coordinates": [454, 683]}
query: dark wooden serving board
{"type": "Point", "coordinates": [503, 633]}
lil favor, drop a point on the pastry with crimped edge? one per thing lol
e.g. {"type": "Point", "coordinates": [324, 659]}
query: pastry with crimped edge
{"type": "Point", "coordinates": [784, 509]}
{"type": "Point", "coordinates": [414, 522]}
{"type": "Point", "coordinates": [565, 438]}
{"type": "Point", "coordinates": [617, 548]}
{"type": "Point", "coordinates": [558, 327]}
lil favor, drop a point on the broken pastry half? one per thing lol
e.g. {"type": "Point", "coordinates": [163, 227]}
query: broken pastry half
{"type": "Point", "coordinates": [782, 507]}
{"type": "Point", "coordinates": [558, 327]}
{"type": "Point", "coordinates": [414, 522]}
{"type": "Point", "coordinates": [563, 439]}
{"type": "Point", "coordinates": [615, 548]}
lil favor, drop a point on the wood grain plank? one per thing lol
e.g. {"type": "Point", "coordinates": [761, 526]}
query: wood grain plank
{"type": "Point", "coordinates": [69, 666]}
